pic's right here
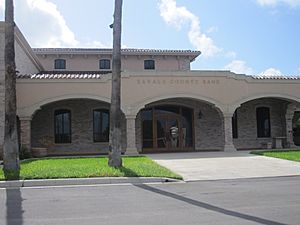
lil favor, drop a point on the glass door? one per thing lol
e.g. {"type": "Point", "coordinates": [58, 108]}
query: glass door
{"type": "Point", "coordinates": [167, 132]}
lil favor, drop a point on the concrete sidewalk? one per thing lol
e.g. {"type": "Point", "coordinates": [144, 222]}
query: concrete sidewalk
{"type": "Point", "coordinates": [225, 165]}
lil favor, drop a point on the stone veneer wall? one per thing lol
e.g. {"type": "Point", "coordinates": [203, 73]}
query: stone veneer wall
{"type": "Point", "coordinates": [42, 128]}
{"type": "Point", "coordinates": [209, 134]}
{"type": "Point", "coordinates": [2, 91]}
{"type": "Point", "coordinates": [208, 130]}
{"type": "Point", "coordinates": [247, 127]}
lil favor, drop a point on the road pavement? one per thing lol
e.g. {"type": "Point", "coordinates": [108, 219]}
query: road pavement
{"type": "Point", "coordinates": [239, 201]}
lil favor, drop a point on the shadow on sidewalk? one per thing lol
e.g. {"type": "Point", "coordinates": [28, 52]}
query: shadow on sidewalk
{"type": "Point", "coordinates": [208, 206]}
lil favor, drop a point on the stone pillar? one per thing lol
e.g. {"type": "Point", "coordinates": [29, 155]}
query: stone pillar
{"type": "Point", "coordinates": [25, 133]}
{"type": "Point", "coordinates": [289, 126]}
{"type": "Point", "coordinates": [228, 140]}
{"type": "Point", "coordinates": [131, 148]}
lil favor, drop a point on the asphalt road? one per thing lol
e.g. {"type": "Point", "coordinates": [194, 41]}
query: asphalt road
{"type": "Point", "coordinates": [243, 201]}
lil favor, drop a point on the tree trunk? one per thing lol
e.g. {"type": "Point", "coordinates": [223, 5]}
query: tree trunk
{"type": "Point", "coordinates": [115, 135]}
{"type": "Point", "coordinates": [11, 148]}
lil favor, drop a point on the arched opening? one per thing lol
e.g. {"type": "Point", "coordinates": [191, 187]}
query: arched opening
{"type": "Point", "coordinates": [262, 123]}
{"type": "Point", "coordinates": [179, 124]}
{"type": "Point", "coordinates": [73, 127]}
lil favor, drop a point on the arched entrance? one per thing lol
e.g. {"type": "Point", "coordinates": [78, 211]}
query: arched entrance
{"type": "Point", "coordinates": [179, 124]}
{"type": "Point", "coordinates": [73, 127]}
{"type": "Point", "coordinates": [167, 128]}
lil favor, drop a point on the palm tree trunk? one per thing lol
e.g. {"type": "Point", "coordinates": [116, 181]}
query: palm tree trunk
{"type": "Point", "coordinates": [11, 148]}
{"type": "Point", "coordinates": [115, 135]}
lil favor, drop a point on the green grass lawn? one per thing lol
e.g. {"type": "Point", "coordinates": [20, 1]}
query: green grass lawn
{"type": "Point", "coordinates": [293, 155]}
{"type": "Point", "coordinates": [91, 167]}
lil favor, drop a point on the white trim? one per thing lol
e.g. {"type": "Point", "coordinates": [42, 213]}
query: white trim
{"type": "Point", "coordinates": [135, 108]}
{"type": "Point", "coordinates": [238, 103]}
{"type": "Point", "coordinates": [30, 110]}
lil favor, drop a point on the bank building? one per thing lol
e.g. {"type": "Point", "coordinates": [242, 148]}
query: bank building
{"type": "Point", "coordinates": [63, 101]}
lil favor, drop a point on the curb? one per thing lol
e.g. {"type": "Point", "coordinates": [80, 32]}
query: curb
{"type": "Point", "coordinates": [84, 181]}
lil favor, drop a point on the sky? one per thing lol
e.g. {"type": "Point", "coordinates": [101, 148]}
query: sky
{"type": "Point", "coordinates": [254, 37]}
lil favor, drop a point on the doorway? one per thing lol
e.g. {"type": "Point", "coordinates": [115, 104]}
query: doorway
{"type": "Point", "coordinates": [167, 129]}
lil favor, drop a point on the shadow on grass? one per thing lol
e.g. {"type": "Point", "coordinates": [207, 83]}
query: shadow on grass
{"type": "Point", "coordinates": [127, 172]}
{"type": "Point", "coordinates": [11, 174]}
{"type": "Point", "coordinates": [208, 206]}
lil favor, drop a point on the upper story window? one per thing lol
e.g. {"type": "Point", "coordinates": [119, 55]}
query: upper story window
{"type": "Point", "coordinates": [149, 64]}
{"type": "Point", "coordinates": [104, 64]}
{"type": "Point", "coordinates": [60, 64]}
{"type": "Point", "coordinates": [62, 126]}
{"type": "Point", "coordinates": [263, 122]}
{"type": "Point", "coordinates": [101, 125]}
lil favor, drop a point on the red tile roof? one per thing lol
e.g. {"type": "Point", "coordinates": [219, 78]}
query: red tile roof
{"type": "Point", "coordinates": [65, 75]}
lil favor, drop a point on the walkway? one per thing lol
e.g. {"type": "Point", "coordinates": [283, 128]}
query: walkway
{"type": "Point", "coordinates": [225, 165]}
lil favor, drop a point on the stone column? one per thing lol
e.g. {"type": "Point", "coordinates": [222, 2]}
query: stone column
{"type": "Point", "coordinates": [25, 133]}
{"type": "Point", "coordinates": [228, 140]}
{"type": "Point", "coordinates": [289, 127]}
{"type": "Point", "coordinates": [131, 148]}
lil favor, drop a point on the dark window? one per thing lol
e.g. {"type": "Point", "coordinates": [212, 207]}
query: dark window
{"type": "Point", "coordinates": [263, 122]}
{"type": "Point", "coordinates": [60, 64]}
{"type": "Point", "coordinates": [149, 64]}
{"type": "Point", "coordinates": [62, 126]}
{"type": "Point", "coordinates": [235, 125]}
{"type": "Point", "coordinates": [147, 125]}
{"type": "Point", "coordinates": [104, 64]}
{"type": "Point", "coordinates": [101, 125]}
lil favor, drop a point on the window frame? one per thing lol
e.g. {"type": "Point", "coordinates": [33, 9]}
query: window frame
{"type": "Point", "coordinates": [262, 131]}
{"type": "Point", "coordinates": [106, 62]}
{"type": "Point", "coordinates": [60, 64]}
{"type": "Point", "coordinates": [102, 138]}
{"type": "Point", "coordinates": [149, 64]}
{"type": "Point", "coordinates": [61, 138]}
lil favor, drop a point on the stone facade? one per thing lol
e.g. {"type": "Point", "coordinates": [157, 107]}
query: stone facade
{"type": "Point", "coordinates": [213, 133]}
{"type": "Point", "coordinates": [42, 128]}
{"type": "Point", "coordinates": [247, 126]}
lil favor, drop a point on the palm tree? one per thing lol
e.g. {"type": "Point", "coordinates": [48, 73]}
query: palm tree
{"type": "Point", "coordinates": [11, 147]}
{"type": "Point", "coordinates": [115, 135]}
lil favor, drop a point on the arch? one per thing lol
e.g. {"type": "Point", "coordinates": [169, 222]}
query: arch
{"type": "Point", "coordinates": [30, 110]}
{"type": "Point", "coordinates": [135, 108]}
{"type": "Point", "coordinates": [238, 103]}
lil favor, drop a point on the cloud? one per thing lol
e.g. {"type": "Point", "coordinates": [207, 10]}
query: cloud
{"type": "Point", "coordinates": [212, 30]}
{"type": "Point", "coordinates": [231, 55]}
{"type": "Point", "coordinates": [43, 24]}
{"type": "Point", "coordinates": [2, 5]}
{"type": "Point", "coordinates": [239, 67]}
{"type": "Point", "coordinates": [273, 3]}
{"type": "Point", "coordinates": [177, 16]}
{"type": "Point", "coordinates": [271, 72]}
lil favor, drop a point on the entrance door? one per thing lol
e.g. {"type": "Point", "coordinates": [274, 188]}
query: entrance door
{"type": "Point", "coordinates": [168, 133]}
